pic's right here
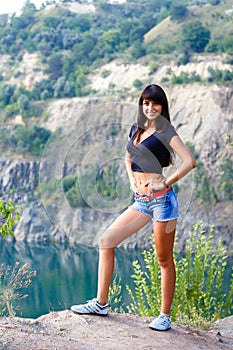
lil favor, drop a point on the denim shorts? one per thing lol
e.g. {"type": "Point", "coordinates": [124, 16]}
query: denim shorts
{"type": "Point", "coordinates": [162, 208]}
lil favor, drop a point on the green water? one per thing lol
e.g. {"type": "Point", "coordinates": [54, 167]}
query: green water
{"type": "Point", "coordinates": [66, 274]}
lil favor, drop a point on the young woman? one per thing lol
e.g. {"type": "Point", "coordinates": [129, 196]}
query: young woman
{"type": "Point", "coordinates": [152, 142]}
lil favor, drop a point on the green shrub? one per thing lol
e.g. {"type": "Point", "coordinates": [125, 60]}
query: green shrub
{"type": "Point", "coordinates": [13, 281]}
{"type": "Point", "coordinates": [229, 140]}
{"type": "Point", "coordinates": [32, 140]}
{"type": "Point", "coordinates": [226, 182]}
{"type": "Point", "coordinates": [105, 73]}
{"type": "Point", "coordinates": [183, 78]}
{"type": "Point", "coordinates": [200, 298]}
{"type": "Point", "coordinates": [75, 198]}
{"type": "Point", "coordinates": [153, 66]}
{"type": "Point", "coordinates": [68, 182]}
{"type": "Point", "coordinates": [9, 215]}
{"type": "Point", "coordinates": [137, 84]}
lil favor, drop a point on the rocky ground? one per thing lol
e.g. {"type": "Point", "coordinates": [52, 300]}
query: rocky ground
{"type": "Point", "coordinates": [64, 330]}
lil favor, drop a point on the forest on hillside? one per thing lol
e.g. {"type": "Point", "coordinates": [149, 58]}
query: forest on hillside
{"type": "Point", "coordinates": [71, 45]}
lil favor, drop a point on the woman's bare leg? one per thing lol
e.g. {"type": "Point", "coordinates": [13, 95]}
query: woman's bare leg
{"type": "Point", "coordinates": [164, 233]}
{"type": "Point", "coordinates": [125, 225]}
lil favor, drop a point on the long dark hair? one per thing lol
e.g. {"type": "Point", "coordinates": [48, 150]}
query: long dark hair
{"type": "Point", "coordinates": [156, 94]}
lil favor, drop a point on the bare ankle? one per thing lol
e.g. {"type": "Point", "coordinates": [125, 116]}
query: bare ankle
{"type": "Point", "coordinates": [102, 301]}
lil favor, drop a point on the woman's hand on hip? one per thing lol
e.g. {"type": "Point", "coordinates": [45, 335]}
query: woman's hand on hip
{"type": "Point", "coordinates": [155, 185]}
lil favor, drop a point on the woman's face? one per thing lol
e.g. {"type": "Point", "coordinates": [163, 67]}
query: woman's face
{"type": "Point", "coordinates": [151, 109]}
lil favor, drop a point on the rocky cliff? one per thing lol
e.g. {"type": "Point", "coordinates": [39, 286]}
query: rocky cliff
{"type": "Point", "coordinates": [94, 131]}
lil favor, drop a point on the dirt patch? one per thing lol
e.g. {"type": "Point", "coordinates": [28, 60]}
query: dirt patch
{"type": "Point", "coordinates": [64, 330]}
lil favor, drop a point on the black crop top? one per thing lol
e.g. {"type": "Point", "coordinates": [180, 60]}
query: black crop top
{"type": "Point", "coordinates": [152, 154]}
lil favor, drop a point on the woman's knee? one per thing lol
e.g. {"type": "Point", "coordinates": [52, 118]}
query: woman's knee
{"type": "Point", "coordinates": [106, 241]}
{"type": "Point", "coordinates": [165, 261]}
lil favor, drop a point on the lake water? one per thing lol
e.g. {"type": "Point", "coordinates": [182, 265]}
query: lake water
{"type": "Point", "coordinates": [67, 274]}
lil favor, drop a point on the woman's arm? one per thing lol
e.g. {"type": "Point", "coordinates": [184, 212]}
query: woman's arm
{"type": "Point", "coordinates": [188, 162]}
{"type": "Point", "coordinates": [132, 180]}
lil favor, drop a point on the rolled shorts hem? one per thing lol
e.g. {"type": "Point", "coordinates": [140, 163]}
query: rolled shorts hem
{"type": "Point", "coordinates": [170, 219]}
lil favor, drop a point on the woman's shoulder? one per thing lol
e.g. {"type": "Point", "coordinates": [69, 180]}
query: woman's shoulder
{"type": "Point", "coordinates": [169, 132]}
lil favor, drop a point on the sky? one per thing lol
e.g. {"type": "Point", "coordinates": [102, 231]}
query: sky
{"type": "Point", "coordinates": [11, 6]}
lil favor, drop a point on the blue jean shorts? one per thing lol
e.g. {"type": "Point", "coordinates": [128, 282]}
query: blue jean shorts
{"type": "Point", "coordinates": [162, 208]}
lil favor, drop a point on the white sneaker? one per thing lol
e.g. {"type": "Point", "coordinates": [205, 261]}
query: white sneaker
{"type": "Point", "coordinates": [91, 307]}
{"type": "Point", "coordinates": [161, 323]}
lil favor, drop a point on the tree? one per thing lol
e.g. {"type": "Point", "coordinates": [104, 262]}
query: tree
{"type": "Point", "coordinates": [6, 93]}
{"type": "Point", "coordinates": [136, 34]}
{"type": "Point", "coordinates": [83, 23]}
{"type": "Point", "coordinates": [178, 11]}
{"type": "Point", "coordinates": [30, 140]}
{"type": "Point", "coordinates": [137, 49]}
{"type": "Point", "coordinates": [23, 103]}
{"type": "Point", "coordinates": [55, 63]}
{"type": "Point", "coordinates": [28, 7]}
{"type": "Point", "coordinates": [195, 35]}
{"type": "Point", "coordinates": [3, 20]}
{"type": "Point", "coordinates": [111, 40]}
{"type": "Point", "coordinates": [28, 12]}
{"type": "Point", "coordinates": [63, 88]}
{"type": "Point", "coordinates": [51, 21]}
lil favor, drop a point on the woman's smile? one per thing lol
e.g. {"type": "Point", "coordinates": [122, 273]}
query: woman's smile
{"type": "Point", "coordinates": [151, 109]}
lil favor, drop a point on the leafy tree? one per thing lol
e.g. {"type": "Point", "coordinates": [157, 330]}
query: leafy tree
{"type": "Point", "coordinates": [6, 93]}
{"type": "Point", "coordinates": [111, 40]}
{"type": "Point", "coordinates": [63, 88]}
{"type": "Point", "coordinates": [83, 23]}
{"type": "Point", "coordinates": [178, 11]}
{"type": "Point", "coordinates": [55, 64]}
{"type": "Point", "coordinates": [28, 7]}
{"type": "Point", "coordinates": [42, 90]}
{"type": "Point", "coordinates": [29, 13]}
{"type": "Point", "coordinates": [30, 140]}
{"type": "Point", "coordinates": [51, 21]}
{"type": "Point", "coordinates": [195, 35]}
{"type": "Point", "coordinates": [3, 20]}
{"type": "Point", "coordinates": [23, 103]}
{"type": "Point", "coordinates": [80, 83]}
{"type": "Point", "coordinates": [137, 50]}
{"type": "Point", "coordinates": [69, 38]}
{"type": "Point", "coordinates": [136, 34]}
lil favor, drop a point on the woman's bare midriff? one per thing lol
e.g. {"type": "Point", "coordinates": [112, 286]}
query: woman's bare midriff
{"type": "Point", "coordinates": [142, 180]}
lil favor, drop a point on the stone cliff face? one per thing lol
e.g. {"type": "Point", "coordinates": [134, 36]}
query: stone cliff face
{"type": "Point", "coordinates": [95, 132]}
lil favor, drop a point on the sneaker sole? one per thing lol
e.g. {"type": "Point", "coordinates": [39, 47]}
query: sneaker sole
{"type": "Point", "coordinates": [159, 330]}
{"type": "Point", "coordinates": [89, 313]}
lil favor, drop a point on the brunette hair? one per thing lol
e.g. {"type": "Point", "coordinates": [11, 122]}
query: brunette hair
{"type": "Point", "coordinates": [156, 94]}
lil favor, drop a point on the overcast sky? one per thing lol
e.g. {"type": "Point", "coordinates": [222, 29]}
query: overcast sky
{"type": "Point", "coordinates": [11, 6]}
